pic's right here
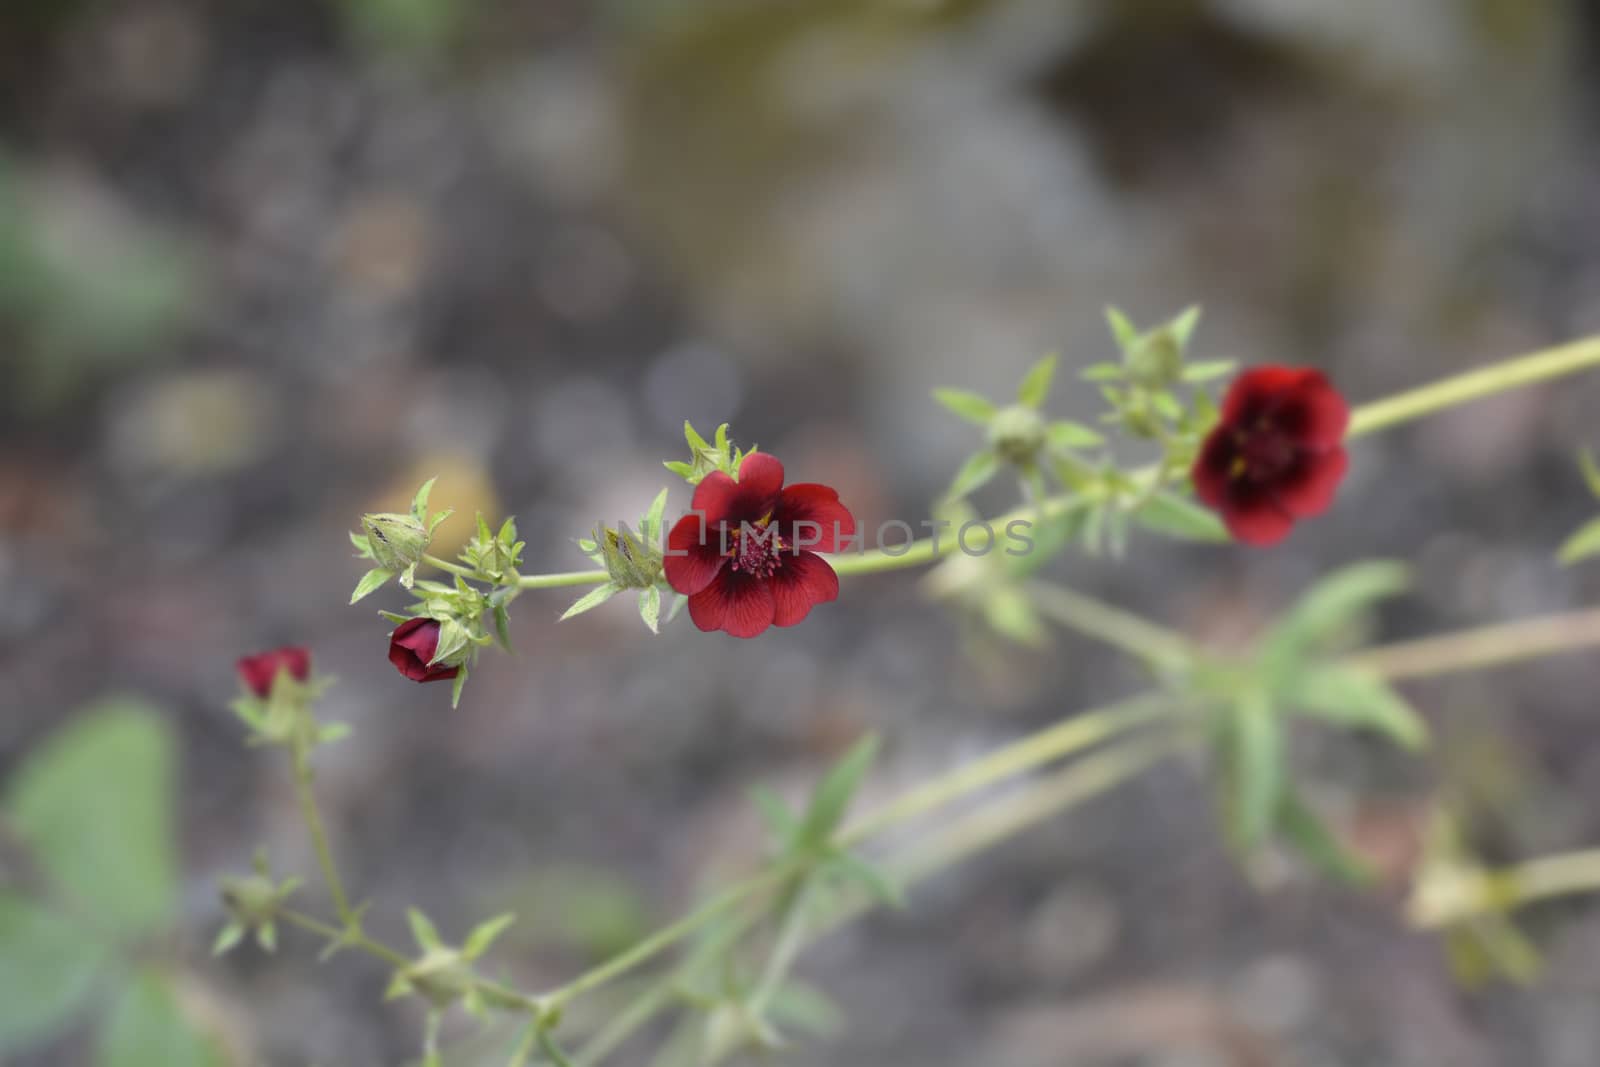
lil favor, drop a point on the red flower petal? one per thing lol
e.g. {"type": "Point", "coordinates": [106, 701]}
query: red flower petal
{"type": "Point", "coordinates": [1260, 390]}
{"type": "Point", "coordinates": [258, 672]}
{"type": "Point", "coordinates": [694, 554]}
{"type": "Point", "coordinates": [1213, 468]}
{"type": "Point", "coordinates": [1314, 412]}
{"type": "Point", "coordinates": [1257, 519]}
{"type": "Point", "coordinates": [802, 581]}
{"type": "Point", "coordinates": [412, 645]}
{"type": "Point", "coordinates": [736, 603]}
{"type": "Point", "coordinates": [1309, 488]}
{"type": "Point", "coordinates": [721, 499]}
{"type": "Point", "coordinates": [825, 523]}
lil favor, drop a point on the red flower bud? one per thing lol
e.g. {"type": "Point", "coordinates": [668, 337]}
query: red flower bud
{"type": "Point", "coordinates": [258, 672]}
{"type": "Point", "coordinates": [1277, 453]}
{"type": "Point", "coordinates": [412, 645]}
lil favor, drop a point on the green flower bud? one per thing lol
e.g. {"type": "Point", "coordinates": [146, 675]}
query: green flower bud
{"type": "Point", "coordinates": [1017, 433]}
{"type": "Point", "coordinates": [398, 541]}
{"type": "Point", "coordinates": [631, 561]}
{"type": "Point", "coordinates": [1156, 362]}
{"type": "Point", "coordinates": [441, 976]}
{"type": "Point", "coordinates": [251, 899]}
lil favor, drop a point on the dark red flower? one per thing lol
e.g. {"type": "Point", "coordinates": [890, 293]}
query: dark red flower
{"type": "Point", "coordinates": [258, 672]}
{"type": "Point", "coordinates": [742, 554]}
{"type": "Point", "coordinates": [412, 645]}
{"type": "Point", "coordinates": [1276, 454]}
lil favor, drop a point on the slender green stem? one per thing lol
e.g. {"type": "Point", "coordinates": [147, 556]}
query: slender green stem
{"type": "Point", "coordinates": [791, 937]}
{"type": "Point", "coordinates": [627, 1022]}
{"type": "Point", "coordinates": [556, 581]}
{"type": "Point", "coordinates": [1484, 647]}
{"type": "Point", "coordinates": [1129, 632]}
{"type": "Point", "coordinates": [355, 939]}
{"type": "Point", "coordinates": [1499, 377]}
{"type": "Point", "coordinates": [1561, 875]}
{"type": "Point", "coordinates": [1064, 738]}
{"type": "Point", "coordinates": [303, 778]}
{"type": "Point", "coordinates": [548, 1045]}
{"type": "Point", "coordinates": [523, 1053]}
{"type": "Point", "coordinates": [663, 939]}
{"type": "Point", "coordinates": [454, 568]}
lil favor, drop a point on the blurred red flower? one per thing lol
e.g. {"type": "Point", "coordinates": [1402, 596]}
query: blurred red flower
{"type": "Point", "coordinates": [412, 645]}
{"type": "Point", "coordinates": [1276, 455]}
{"type": "Point", "coordinates": [742, 554]}
{"type": "Point", "coordinates": [258, 672]}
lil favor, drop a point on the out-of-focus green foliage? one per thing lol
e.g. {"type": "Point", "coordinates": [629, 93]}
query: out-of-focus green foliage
{"type": "Point", "coordinates": [82, 289]}
{"type": "Point", "coordinates": [91, 809]}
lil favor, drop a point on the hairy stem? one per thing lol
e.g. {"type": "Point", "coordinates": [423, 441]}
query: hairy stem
{"type": "Point", "coordinates": [1484, 647]}
{"type": "Point", "coordinates": [303, 779]}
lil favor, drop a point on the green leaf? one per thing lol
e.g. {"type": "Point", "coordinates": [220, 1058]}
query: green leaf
{"type": "Point", "coordinates": [1103, 372]}
{"type": "Point", "coordinates": [1209, 370]}
{"type": "Point", "coordinates": [147, 1026]}
{"type": "Point", "coordinates": [362, 544]}
{"type": "Point", "coordinates": [650, 608]}
{"type": "Point", "coordinates": [94, 802]}
{"type": "Point", "coordinates": [1010, 613]}
{"type": "Point", "coordinates": [974, 473]}
{"type": "Point", "coordinates": [1178, 516]}
{"type": "Point", "coordinates": [1122, 329]}
{"type": "Point", "coordinates": [679, 467]}
{"type": "Point", "coordinates": [1035, 387]}
{"type": "Point", "coordinates": [48, 967]}
{"type": "Point", "coordinates": [650, 525]}
{"type": "Point", "coordinates": [1591, 470]}
{"type": "Point", "coordinates": [805, 1007]}
{"type": "Point", "coordinates": [781, 822]}
{"type": "Point", "coordinates": [855, 869]}
{"type": "Point", "coordinates": [483, 935]}
{"type": "Point", "coordinates": [1256, 767]}
{"type": "Point", "coordinates": [1064, 433]}
{"type": "Point", "coordinates": [832, 797]}
{"type": "Point", "coordinates": [1581, 545]}
{"type": "Point", "coordinates": [1049, 537]}
{"type": "Point", "coordinates": [1336, 603]}
{"type": "Point", "coordinates": [692, 437]}
{"type": "Point", "coordinates": [1349, 696]}
{"type": "Point", "coordinates": [371, 582]}
{"type": "Point", "coordinates": [1183, 327]}
{"type": "Point", "coordinates": [229, 936]}
{"type": "Point", "coordinates": [965, 404]}
{"type": "Point", "coordinates": [419, 503]}
{"type": "Point", "coordinates": [422, 930]}
{"type": "Point", "coordinates": [502, 626]}
{"type": "Point", "coordinates": [1310, 835]}
{"type": "Point", "coordinates": [591, 600]}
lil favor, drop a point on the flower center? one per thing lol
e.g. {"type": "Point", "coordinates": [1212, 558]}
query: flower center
{"type": "Point", "coordinates": [757, 550]}
{"type": "Point", "coordinates": [1264, 453]}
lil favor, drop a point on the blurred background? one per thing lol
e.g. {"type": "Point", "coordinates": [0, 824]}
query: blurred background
{"type": "Point", "coordinates": [268, 264]}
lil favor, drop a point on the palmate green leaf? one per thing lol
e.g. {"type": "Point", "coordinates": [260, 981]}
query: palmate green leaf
{"type": "Point", "coordinates": [1035, 387]}
{"type": "Point", "coordinates": [1581, 545]}
{"type": "Point", "coordinates": [94, 803]}
{"type": "Point", "coordinates": [966, 405]}
{"type": "Point", "coordinates": [974, 474]}
{"type": "Point", "coordinates": [1255, 768]}
{"type": "Point", "coordinates": [834, 793]}
{"type": "Point", "coordinates": [1303, 828]}
{"type": "Point", "coordinates": [147, 1027]}
{"type": "Point", "coordinates": [48, 967]}
{"type": "Point", "coordinates": [1349, 696]}
{"type": "Point", "coordinates": [1177, 516]}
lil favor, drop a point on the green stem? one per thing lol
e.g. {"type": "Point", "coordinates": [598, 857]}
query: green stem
{"type": "Point", "coordinates": [669, 935]}
{"type": "Point", "coordinates": [791, 937]}
{"type": "Point", "coordinates": [1101, 621]}
{"type": "Point", "coordinates": [303, 778]}
{"type": "Point", "coordinates": [332, 933]}
{"type": "Point", "coordinates": [1561, 875]}
{"type": "Point", "coordinates": [1499, 377]}
{"type": "Point", "coordinates": [455, 568]}
{"type": "Point", "coordinates": [1486, 646]}
{"type": "Point", "coordinates": [1052, 743]}
{"type": "Point", "coordinates": [548, 1045]}
{"type": "Point", "coordinates": [556, 581]}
